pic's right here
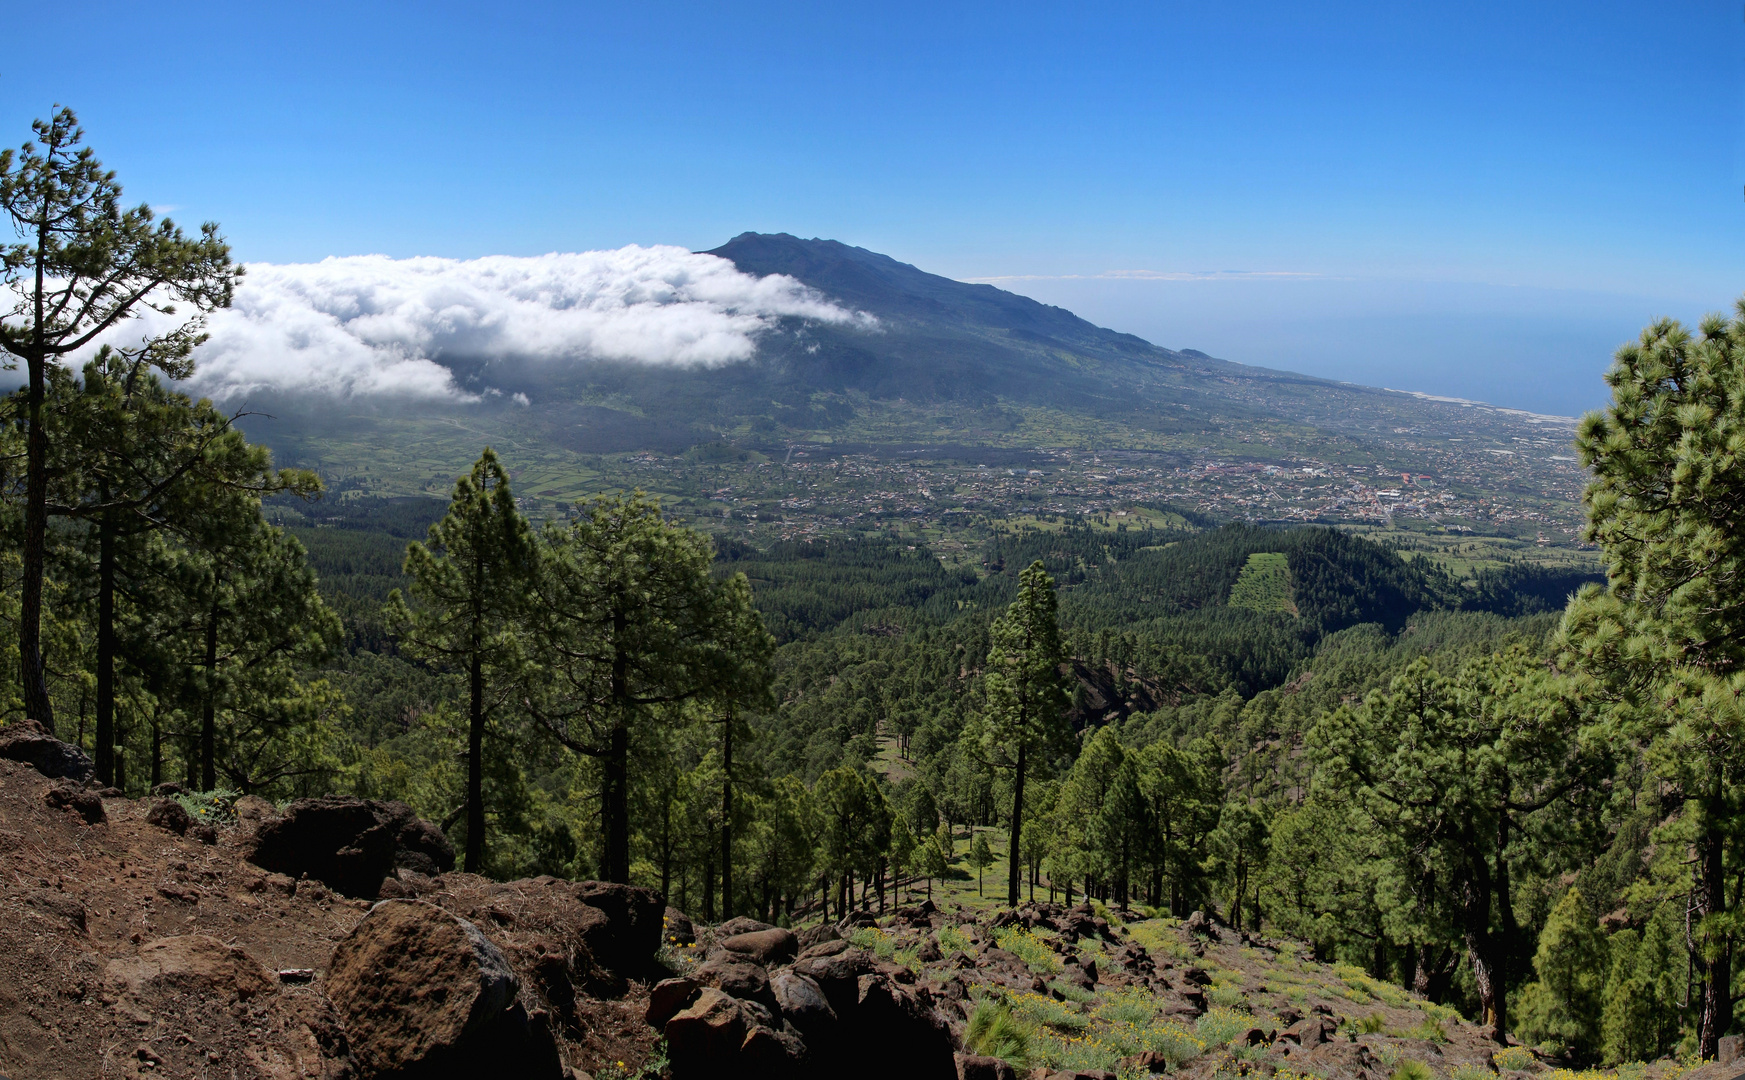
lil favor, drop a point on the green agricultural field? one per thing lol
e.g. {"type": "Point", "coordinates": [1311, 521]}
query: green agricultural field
{"type": "Point", "coordinates": [1264, 584]}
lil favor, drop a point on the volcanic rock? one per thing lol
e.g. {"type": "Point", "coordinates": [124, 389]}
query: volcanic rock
{"type": "Point", "coordinates": [423, 993]}
{"type": "Point", "coordinates": [349, 844]}
{"type": "Point", "coordinates": [26, 741]}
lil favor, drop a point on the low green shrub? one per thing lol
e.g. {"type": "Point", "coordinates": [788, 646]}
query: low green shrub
{"type": "Point", "coordinates": [215, 807]}
{"type": "Point", "coordinates": [951, 940]}
{"type": "Point", "coordinates": [1028, 948]}
{"type": "Point", "coordinates": [1220, 1025]}
{"type": "Point", "coordinates": [1515, 1058]}
{"type": "Point", "coordinates": [1070, 992]}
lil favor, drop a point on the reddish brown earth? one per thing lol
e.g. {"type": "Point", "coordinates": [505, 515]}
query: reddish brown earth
{"type": "Point", "coordinates": [127, 950]}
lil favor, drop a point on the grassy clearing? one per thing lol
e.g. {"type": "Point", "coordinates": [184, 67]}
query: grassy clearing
{"type": "Point", "coordinates": [1264, 584]}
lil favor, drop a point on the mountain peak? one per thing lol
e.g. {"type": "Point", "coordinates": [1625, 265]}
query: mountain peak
{"type": "Point", "coordinates": [869, 281]}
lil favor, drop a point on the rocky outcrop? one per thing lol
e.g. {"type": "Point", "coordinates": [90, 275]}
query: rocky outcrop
{"type": "Point", "coordinates": [835, 1011]}
{"type": "Point", "coordinates": [421, 993]}
{"type": "Point", "coordinates": [350, 845]}
{"type": "Point", "coordinates": [26, 741]}
{"type": "Point", "coordinates": [629, 939]}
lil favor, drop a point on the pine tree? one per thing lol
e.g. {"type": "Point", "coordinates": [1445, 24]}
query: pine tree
{"type": "Point", "coordinates": [1456, 780]}
{"type": "Point", "coordinates": [81, 266]}
{"type": "Point", "coordinates": [981, 856]}
{"type": "Point", "coordinates": [1027, 698]}
{"type": "Point", "coordinates": [1666, 638]}
{"type": "Point", "coordinates": [471, 582]}
{"type": "Point", "coordinates": [1564, 1005]}
{"type": "Point", "coordinates": [131, 457]}
{"type": "Point", "coordinates": [629, 620]}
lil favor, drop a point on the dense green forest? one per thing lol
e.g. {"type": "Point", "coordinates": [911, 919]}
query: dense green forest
{"type": "Point", "coordinates": [1521, 802]}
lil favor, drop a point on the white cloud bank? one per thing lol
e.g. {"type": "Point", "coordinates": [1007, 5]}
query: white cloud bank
{"type": "Point", "coordinates": [371, 325]}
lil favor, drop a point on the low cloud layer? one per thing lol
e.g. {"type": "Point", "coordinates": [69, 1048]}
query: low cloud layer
{"type": "Point", "coordinates": [375, 326]}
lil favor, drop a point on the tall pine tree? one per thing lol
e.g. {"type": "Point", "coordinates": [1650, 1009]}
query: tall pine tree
{"type": "Point", "coordinates": [471, 583]}
{"type": "Point", "coordinates": [1027, 698]}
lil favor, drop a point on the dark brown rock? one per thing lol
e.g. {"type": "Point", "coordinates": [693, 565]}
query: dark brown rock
{"type": "Point", "coordinates": [668, 998]}
{"type": "Point", "coordinates": [767, 947]}
{"type": "Point", "coordinates": [818, 935]}
{"type": "Point", "coordinates": [87, 804]}
{"type": "Point", "coordinates": [630, 937]}
{"type": "Point", "coordinates": [703, 1040]}
{"type": "Point", "coordinates": [742, 979]}
{"type": "Point", "coordinates": [824, 948]}
{"type": "Point", "coordinates": [1149, 1061]}
{"type": "Point", "coordinates": [26, 741]}
{"type": "Point", "coordinates": [741, 924]}
{"type": "Point", "coordinates": [802, 1003]}
{"type": "Point", "coordinates": [1311, 1032]}
{"type": "Point", "coordinates": [170, 816]}
{"type": "Point", "coordinates": [349, 844]}
{"type": "Point", "coordinates": [1728, 1049]}
{"type": "Point", "coordinates": [768, 1052]}
{"type": "Point", "coordinates": [418, 991]}
{"type": "Point", "coordinates": [677, 929]}
{"type": "Point", "coordinates": [837, 975]}
{"type": "Point", "coordinates": [977, 1067]}
{"type": "Point", "coordinates": [897, 1033]}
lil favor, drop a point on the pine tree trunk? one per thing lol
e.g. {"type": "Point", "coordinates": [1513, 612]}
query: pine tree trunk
{"type": "Point", "coordinates": [709, 888]}
{"type": "Point", "coordinates": [617, 800]}
{"type": "Point", "coordinates": [475, 858]}
{"type": "Point", "coordinates": [1487, 980]}
{"type": "Point", "coordinates": [105, 735]}
{"type": "Point", "coordinates": [727, 816]}
{"type": "Point", "coordinates": [1017, 825]}
{"type": "Point", "coordinates": [1711, 899]}
{"type": "Point", "coordinates": [209, 711]}
{"type": "Point", "coordinates": [617, 761]}
{"type": "Point", "coordinates": [34, 675]}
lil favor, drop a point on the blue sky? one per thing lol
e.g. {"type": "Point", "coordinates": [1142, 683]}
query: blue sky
{"type": "Point", "coordinates": [1476, 200]}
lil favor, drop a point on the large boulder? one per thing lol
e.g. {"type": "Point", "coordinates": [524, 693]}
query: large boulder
{"type": "Point", "coordinates": [803, 1004]}
{"type": "Point", "coordinates": [745, 981]}
{"type": "Point", "coordinates": [350, 845]}
{"type": "Point", "coordinates": [767, 947]}
{"type": "Point", "coordinates": [704, 1039]}
{"type": "Point", "coordinates": [170, 816]}
{"type": "Point", "coordinates": [26, 741]}
{"type": "Point", "coordinates": [837, 973]}
{"type": "Point", "coordinates": [629, 938]}
{"type": "Point", "coordinates": [422, 993]}
{"type": "Point", "coordinates": [667, 998]}
{"type": "Point", "coordinates": [741, 924]}
{"type": "Point", "coordinates": [897, 1032]}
